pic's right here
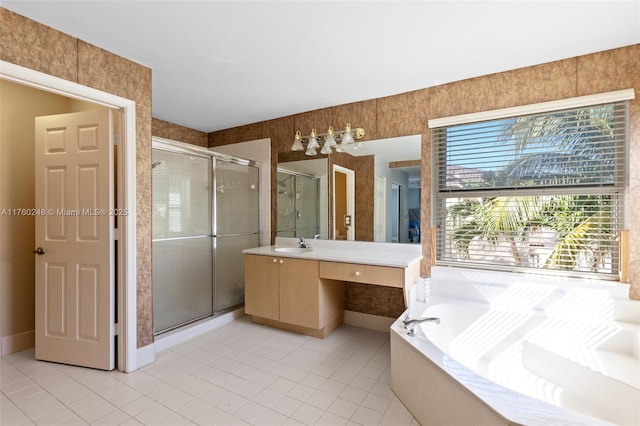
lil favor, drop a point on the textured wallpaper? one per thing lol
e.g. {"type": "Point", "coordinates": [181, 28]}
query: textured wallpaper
{"type": "Point", "coordinates": [36, 46]}
{"type": "Point", "coordinates": [407, 114]}
{"type": "Point", "coordinates": [32, 45]}
{"type": "Point", "coordinates": [164, 129]}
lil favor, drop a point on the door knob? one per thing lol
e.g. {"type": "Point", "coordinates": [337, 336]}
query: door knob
{"type": "Point", "coordinates": [38, 251]}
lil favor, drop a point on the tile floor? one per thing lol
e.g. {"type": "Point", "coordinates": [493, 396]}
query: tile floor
{"type": "Point", "coordinates": [238, 374]}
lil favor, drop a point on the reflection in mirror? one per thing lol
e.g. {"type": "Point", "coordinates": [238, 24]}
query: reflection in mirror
{"type": "Point", "coordinates": [387, 188]}
{"type": "Point", "coordinates": [301, 199]}
{"type": "Point", "coordinates": [396, 193]}
{"type": "Point", "coordinates": [344, 205]}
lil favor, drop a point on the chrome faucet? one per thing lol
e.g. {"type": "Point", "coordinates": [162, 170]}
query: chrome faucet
{"type": "Point", "coordinates": [316, 237]}
{"type": "Point", "coordinates": [410, 323]}
{"type": "Point", "coordinates": [303, 244]}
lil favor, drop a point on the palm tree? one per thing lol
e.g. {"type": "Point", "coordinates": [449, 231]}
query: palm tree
{"type": "Point", "coordinates": [577, 145]}
{"type": "Point", "coordinates": [584, 227]}
{"type": "Point", "coordinates": [567, 148]}
{"type": "Point", "coordinates": [495, 219]}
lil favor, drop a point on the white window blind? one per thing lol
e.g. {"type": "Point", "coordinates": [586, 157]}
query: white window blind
{"type": "Point", "coordinates": [543, 191]}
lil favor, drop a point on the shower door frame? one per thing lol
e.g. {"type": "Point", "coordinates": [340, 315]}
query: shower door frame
{"type": "Point", "coordinates": [178, 147]}
{"type": "Point", "coordinates": [174, 148]}
{"type": "Point", "coordinates": [215, 157]}
{"type": "Point", "coordinates": [295, 174]}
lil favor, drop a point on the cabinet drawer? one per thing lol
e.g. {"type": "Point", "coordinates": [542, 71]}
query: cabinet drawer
{"type": "Point", "coordinates": [366, 274]}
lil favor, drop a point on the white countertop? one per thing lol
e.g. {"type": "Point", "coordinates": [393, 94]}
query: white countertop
{"type": "Point", "coordinates": [367, 253]}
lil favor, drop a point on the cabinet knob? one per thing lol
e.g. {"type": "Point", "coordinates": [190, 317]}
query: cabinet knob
{"type": "Point", "coordinates": [357, 274]}
{"type": "Point", "coordinates": [275, 260]}
{"type": "Point", "coordinates": [281, 261]}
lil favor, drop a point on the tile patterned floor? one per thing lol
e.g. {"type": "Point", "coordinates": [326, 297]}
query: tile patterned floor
{"type": "Point", "coordinates": [238, 374]}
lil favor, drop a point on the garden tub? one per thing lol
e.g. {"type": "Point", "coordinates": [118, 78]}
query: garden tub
{"type": "Point", "coordinates": [519, 349]}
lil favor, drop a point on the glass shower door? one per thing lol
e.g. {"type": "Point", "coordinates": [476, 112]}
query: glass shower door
{"type": "Point", "coordinates": [182, 239]}
{"type": "Point", "coordinates": [307, 208]}
{"type": "Point", "coordinates": [286, 205]}
{"type": "Point", "coordinates": [298, 202]}
{"type": "Point", "coordinates": [237, 224]}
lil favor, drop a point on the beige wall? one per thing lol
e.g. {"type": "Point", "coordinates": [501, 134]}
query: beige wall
{"type": "Point", "coordinates": [407, 114]}
{"type": "Point", "coordinates": [19, 105]}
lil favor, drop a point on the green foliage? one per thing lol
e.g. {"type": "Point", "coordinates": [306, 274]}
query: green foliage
{"type": "Point", "coordinates": [582, 222]}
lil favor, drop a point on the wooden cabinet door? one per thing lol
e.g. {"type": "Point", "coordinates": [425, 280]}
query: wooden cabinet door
{"type": "Point", "coordinates": [299, 292]}
{"type": "Point", "coordinates": [262, 286]}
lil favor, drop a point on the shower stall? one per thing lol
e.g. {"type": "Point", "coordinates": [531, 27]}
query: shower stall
{"type": "Point", "coordinates": [298, 204]}
{"type": "Point", "coordinates": [205, 212]}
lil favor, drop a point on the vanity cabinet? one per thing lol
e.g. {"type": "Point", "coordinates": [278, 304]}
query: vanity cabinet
{"type": "Point", "coordinates": [262, 286]}
{"type": "Point", "coordinates": [365, 274]}
{"type": "Point", "coordinates": [288, 293]}
{"type": "Point", "coordinates": [304, 290]}
{"type": "Point", "coordinates": [388, 276]}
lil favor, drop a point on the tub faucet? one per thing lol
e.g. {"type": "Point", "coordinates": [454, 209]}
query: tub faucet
{"type": "Point", "coordinates": [410, 323]}
{"type": "Point", "coordinates": [303, 244]}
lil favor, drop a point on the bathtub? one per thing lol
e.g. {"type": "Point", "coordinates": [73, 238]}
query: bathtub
{"type": "Point", "coordinates": [519, 349]}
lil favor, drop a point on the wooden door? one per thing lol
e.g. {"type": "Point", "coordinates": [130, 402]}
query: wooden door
{"type": "Point", "coordinates": [75, 249]}
{"type": "Point", "coordinates": [262, 286]}
{"type": "Point", "coordinates": [344, 217]}
{"type": "Point", "coordinates": [300, 292]}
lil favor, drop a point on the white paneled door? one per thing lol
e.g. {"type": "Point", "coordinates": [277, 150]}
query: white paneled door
{"type": "Point", "coordinates": [380, 209]}
{"type": "Point", "coordinates": [74, 246]}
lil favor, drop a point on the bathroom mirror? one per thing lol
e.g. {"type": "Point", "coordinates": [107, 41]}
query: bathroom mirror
{"type": "Point", "coordinates": [386, 193]}
{"type": "Point", "coordinates": [302, 198]}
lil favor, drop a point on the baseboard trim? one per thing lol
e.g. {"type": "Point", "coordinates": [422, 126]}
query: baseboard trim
{"type": "Point", "coordinates": [190, 331]}
{"type": "Point", "coordinates": [145, 355]}
{"type": "Point", "coordinates": [17, 342]}
{"type": "Point", "coordinates": [368, 321]}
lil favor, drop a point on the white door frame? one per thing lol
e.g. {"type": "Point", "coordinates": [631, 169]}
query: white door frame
{"type": "Point", "coordinates": [380, 209]}
{"type": "Point", "coordinates": [396, 211]}
{"type": "Point", "coordinates": [351, 199]}
{"type": "Point", "coordinates": [126, 274]}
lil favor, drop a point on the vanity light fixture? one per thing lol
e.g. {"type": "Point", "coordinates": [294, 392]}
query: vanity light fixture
{"type": "Point", "coordinates": [340, 140]}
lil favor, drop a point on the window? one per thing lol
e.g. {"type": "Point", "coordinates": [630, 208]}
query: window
{"type": "Point", "coordinates": [536, 191]}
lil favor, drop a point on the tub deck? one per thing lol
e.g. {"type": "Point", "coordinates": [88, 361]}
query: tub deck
{"type": "Point", "coordinates": [552, 361]}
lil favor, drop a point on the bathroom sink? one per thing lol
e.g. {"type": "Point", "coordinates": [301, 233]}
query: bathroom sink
{"type": "Point", "coordinates": [298, 250]}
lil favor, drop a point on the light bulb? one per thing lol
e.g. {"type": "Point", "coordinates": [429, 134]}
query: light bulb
{"type": "Point", "coordinates": [331, 140]}
{"type": "Point", "coordinates": [313, 142]}
{"type": "Point", "coordinates": [326, 149]}
{"type": "Point", "coordinates": [297, 142]}
{"type": "Point", "coordinates": [347, 137]}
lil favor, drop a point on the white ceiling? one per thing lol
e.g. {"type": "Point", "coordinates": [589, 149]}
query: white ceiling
{"type": "Point", "coordinates": [220, 64]}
